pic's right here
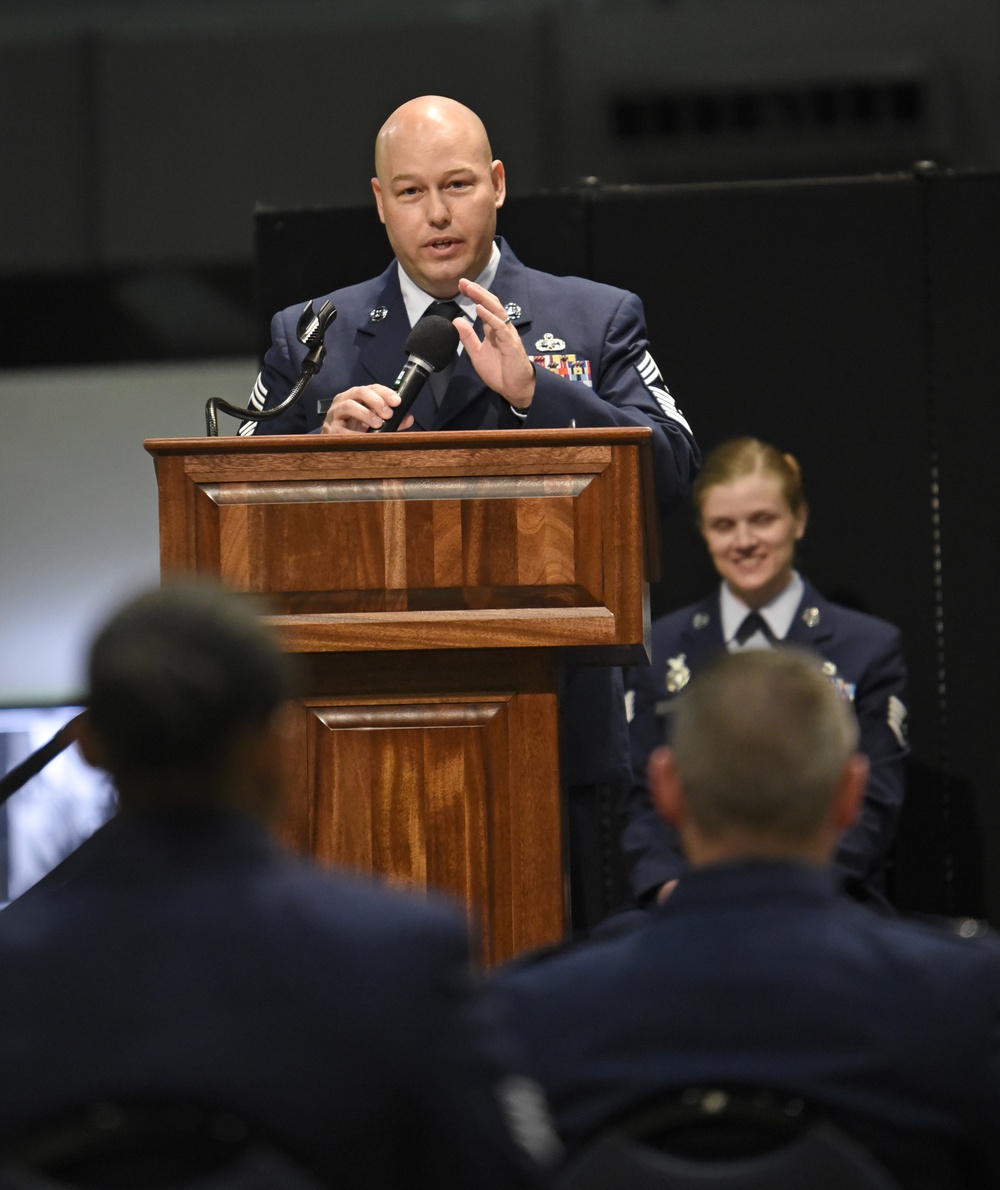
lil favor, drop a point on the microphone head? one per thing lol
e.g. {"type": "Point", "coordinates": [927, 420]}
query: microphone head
{"type": "Point", "coordinates": [433, 339]}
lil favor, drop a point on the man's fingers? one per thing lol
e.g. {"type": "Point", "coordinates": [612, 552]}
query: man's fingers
{"type": "Point", "coordinates": [359, 409]}
{"type": "Point", "coordinates": [483, 299]}
{"type": "Point", "coordinates": [468, 336]}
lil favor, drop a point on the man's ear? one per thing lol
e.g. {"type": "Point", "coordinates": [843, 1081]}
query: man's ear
{"type": "Point", "coordinates": [377, 191]}
{"type": "Point", "coordinates": [90, 746]}
{"type": "Point", "coordinates": [665, 786]}
{"type": "Point", "coordinates": [850, 792]}
{"type": "Point", "coordinates": [499, 180]}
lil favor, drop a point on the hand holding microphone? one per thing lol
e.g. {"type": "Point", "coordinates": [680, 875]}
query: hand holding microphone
{"type": "Point", "coordinates": [430, 346]}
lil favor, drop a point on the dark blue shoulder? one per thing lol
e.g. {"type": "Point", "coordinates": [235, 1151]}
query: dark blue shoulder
{"type": "Point", "coordinates": [861, 625]}
{"type": "Point", "coordinates": [694, 618]}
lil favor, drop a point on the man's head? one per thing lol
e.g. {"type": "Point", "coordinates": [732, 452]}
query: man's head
{"type": "Point", "coordinates": [763, 761]}
{"type": "Point", "coordinates": [437, 189]}
{"type": "Point", "coordinates": [184, 686]}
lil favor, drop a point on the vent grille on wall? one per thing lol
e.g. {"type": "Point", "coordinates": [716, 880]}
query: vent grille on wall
{"type": "Point", "coordinates": [874, 107]}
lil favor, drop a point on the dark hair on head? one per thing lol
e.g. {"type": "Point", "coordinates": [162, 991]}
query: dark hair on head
{"type": "Point", "coordinates": [739, 457]}
{"type": "Point", "coordinates": [174, 673]}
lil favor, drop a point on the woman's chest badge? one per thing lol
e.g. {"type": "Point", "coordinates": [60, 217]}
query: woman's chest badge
{"type": "Point", "coordinates": [678, 674]}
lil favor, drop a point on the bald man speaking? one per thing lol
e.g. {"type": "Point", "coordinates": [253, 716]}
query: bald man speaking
{"type": "Point", "coordinates": [536, 351]}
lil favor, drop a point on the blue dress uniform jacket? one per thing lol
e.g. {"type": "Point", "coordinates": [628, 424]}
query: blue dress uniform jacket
{"type": "Point", "coordinates": [866, 659]}
{"type": "Point", "coordinates": [600, 327]}
{"type": "Point", "coordinates": [763, 974]}
{"type": "Point", "coordinates": [190, 958]}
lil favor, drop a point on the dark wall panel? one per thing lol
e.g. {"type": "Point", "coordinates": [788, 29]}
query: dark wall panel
{"type": "Point", "coordinates": [47, 133]}
{"type": "Point", "coordinates": [197, 127]}
{"type": "Point", "coordinates": [963, 277]}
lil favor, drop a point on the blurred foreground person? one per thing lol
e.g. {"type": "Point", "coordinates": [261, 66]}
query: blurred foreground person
{"type": "Point", "coordinates": [757, 971]}
{"type": "Point", "coordinates": [180, 954]}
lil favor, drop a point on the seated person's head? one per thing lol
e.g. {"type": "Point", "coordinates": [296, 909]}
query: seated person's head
{"type": "Point", "coordinates": [184, 685]}
{"type": "Point", "coordinates": [751, 511]}
{"type": "Point", "coordinates": [763, 761]}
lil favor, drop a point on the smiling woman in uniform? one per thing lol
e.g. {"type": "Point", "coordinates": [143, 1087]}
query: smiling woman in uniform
{"type": "Point", "coordinates": [751, 511]}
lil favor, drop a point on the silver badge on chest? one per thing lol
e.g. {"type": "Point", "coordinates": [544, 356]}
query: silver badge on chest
{"type": "Point", "coordinates": [678, 674]}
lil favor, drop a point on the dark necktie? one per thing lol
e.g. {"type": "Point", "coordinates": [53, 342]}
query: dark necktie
{"type": "Point", "coordinates": [439, 380]}
{"type": "Point", "coordinates": [754, 622]}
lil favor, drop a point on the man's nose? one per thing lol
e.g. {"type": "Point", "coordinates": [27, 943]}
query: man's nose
{"type": "Point", "coordinates": [438, 211]}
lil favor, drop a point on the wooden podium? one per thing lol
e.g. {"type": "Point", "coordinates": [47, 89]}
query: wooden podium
{"type": "Point", "coordinates": [434, 584]}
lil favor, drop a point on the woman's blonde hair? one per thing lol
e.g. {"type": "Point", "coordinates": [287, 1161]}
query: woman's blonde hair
{"type": "Point", "coordinates": [739, 457]}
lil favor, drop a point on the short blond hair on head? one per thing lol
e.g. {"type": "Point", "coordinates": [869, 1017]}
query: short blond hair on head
{"type": "Point", "coordinates": [761, 739]}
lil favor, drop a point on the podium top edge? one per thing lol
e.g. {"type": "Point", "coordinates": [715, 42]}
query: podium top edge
{"type": "Point", "coordinates": [420, 440]}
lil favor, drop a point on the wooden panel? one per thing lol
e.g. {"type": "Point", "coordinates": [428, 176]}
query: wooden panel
{"type": "Point", "coordinates": [381, 538]}
{"type": "Point", "coordinates": [622, 496]}
{"type": "Point", "coordinates": [485, 628]}
{"type": "Point", "coordinates": [546, 541]}
{"type": "Point", "coordinates": [176, 498]}
{"type": "Point", "coordinates": [514, 537]}
{"type": "Point", "coordinates": [593, 537]}
{"type": "Point", "coordinates": [435, 793]}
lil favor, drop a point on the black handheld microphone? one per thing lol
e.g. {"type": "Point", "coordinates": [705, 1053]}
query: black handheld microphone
{"type": "Point", "coordinates": [431, 346]}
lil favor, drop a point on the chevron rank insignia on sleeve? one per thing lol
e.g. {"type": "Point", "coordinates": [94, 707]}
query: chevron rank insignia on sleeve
{"type": "Point", "coordinates": [650, 376]}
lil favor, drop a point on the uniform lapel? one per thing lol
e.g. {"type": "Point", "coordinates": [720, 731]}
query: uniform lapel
{"type": "Point", "coordinates": [812, 624]}
{"type": "Point", "coordinates": [699, 640]}
{"type": "Point", "coordinates": [702, 639]}
{"type": "Point", "coordinates": [381, 353]}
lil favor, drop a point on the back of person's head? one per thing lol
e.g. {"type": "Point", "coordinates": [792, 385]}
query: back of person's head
{"type": "Point", "coordinates": [761, 742]}
{"type": "Point", "coordinates": [174, 678]}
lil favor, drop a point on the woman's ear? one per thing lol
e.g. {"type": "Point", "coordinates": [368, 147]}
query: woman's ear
{"type": "Point", "coordinates": [801, 521]}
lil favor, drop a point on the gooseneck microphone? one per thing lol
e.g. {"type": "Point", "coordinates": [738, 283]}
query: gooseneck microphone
{"type": "Point", "coordinates": [431, 346]}
{"type": "Point", "coordinates": [309, 331]}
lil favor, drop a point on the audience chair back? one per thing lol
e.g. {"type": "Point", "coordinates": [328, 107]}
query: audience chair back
{"type": "Point", "coordinates": [138, 1146]}
{"type": "Point", "coordinates": [725, 1140]}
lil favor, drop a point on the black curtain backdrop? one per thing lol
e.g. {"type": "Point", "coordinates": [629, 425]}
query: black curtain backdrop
{"type": "Point", "coordinates": [851, 322]}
